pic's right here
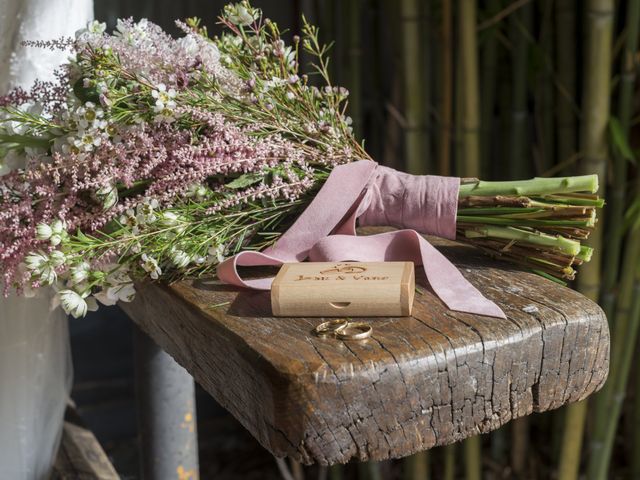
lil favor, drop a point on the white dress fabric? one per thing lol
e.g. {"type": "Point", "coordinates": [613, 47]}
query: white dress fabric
{"type": "Point", "coordinates": [35, 360]}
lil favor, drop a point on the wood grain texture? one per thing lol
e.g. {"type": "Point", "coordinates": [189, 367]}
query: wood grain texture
{"type": "Point", "coordinates": [80, 457]}
{"type": "Point", "coordinates": [431, 379]}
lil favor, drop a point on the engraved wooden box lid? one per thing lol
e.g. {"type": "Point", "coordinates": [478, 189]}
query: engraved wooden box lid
{"type": "Point", "coordinates": [344, 289]}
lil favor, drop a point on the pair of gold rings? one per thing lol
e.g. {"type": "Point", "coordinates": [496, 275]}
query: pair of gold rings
{"type": "Point", "coordinates": [343, 329]}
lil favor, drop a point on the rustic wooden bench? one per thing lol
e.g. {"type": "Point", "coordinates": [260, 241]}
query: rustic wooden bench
{"type": "Point", "coordinates": [80, 456]}
{"type": "Point", "coordinates": [431, 379]}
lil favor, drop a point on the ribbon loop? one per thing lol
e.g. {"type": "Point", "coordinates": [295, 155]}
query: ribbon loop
{"type": "Point", "coordinates": [424, 203]}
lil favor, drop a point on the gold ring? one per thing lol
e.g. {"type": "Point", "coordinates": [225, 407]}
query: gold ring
{"type": "Point", "coordinates": [354, 331]}
{"type": "Point", "coordinates": [331, 327]}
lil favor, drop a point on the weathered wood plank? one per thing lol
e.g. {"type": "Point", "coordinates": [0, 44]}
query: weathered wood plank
{"type": "Point", "coordinates": [80, 456]}
{"type": "Point", "coordinates": [431, 379]}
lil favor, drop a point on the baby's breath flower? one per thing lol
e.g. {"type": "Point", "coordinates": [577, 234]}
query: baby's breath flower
{"type": "Point", "coordinates": [150, 265]}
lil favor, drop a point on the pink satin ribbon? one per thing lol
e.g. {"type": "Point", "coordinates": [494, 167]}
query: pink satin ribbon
{"type": "Point", "coordinates": [374, 195]}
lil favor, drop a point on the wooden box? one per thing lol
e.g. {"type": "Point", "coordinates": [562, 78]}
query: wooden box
{"type": "Point", "coordinates": [344, 289]}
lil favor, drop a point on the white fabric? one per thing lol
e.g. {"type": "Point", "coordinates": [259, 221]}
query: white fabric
{"type": "Point", "coordinates": [35, 366]}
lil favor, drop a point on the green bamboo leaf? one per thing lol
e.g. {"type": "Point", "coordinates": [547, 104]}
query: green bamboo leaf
{"type": "Point", "coordinates": [620, 141]}
{"type": "Point", "coordinates": [245, 180]}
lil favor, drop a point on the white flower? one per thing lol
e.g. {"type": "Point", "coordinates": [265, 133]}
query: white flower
{"type": "Point", "coordinates": [95, 28]}
{"type": "Point", "coordinates": [108, 196]}
{"type": "Point", "coordinates": [80, 272]}
{"type": "Point", "coordinates": [58, 232]}
{"type": "Point", "coordinates": [180, 258]}
{"type": "Point", "coordinates": [164, 98]}
{"type": "Point", "coordinates": [198, 191]}
{"type": "Point", "coordinates": [36, 261]}
{"type": "Point", "coordinates": [58, 226]}
{"type": "Point", "coordinates": [150, 265]}
{"type": "Point", "coordinates": [145, 211]}
{"type": "Point", "coordinates": [216, 254]}
{"type": "Point", "coordinates": [118, 293]}
{"type": "Point", "coordinates": [129, 219]}
{"type": "Point", "coordinates": [87, 141]}
{"type": "Point", "coordinates": [57, 258]}
{"type": "Point", "coordinates": [170, 219]}
{"type": "Point", "coordinates": [43, 231]}
{"type": "Point", "coordinates": [239, 14]}
{"type": "Point", "coordinates": [73, 303]}
{"type": "Point", "coordinates": [88, 115]}
{"type": "Point", "coordinates": [48, 275]}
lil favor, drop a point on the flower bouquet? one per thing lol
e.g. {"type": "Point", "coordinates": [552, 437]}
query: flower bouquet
{"type": "Point", "coordinates": [154, 157]}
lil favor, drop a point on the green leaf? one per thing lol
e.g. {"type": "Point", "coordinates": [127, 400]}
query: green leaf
{"type": "Point", "coordinates": [620, 140]}
{"type": "Point", "coordinates": [245, 180]}
{"type": "Point", "coordinates": [85, 94]}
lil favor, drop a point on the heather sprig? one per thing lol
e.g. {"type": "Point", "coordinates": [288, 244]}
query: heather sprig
{"type": "Point", "coordinates": [157, 157]}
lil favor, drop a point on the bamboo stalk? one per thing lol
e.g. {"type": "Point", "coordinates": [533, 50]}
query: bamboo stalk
{"type": "Point", "coordinates": [616, 197]}
{"type": "Point", "coordinates": [470, 111]}
{"type": "Point", "coordinates": [470, 149]}
{"type": "Point", "coordinates": [369, 471]}
{"type": "Point", "coordinates": [352, 14]}
{"type": "Point", "coordinates": [488, 83]}
{"type": "Point", "coordinates": [449, 452]}
{"type": "Point", "coordinates": [593, 143]}
{"type": "Point", "coordinates": [519, 445]}
{"type": "Point", "coordinates": [545, 126]}
{"type": "Point", "coordinates": [616, 207]}
{"type": "Point", "coordinates": [415, 88]}
{"type": "Point", "coordinates": [635, 427]}
{"type": "Point", "coordinates": [473, 458]}
{"type": "Point", "coordinates": [446, 106]}
{"type": "Point", "coordinates": [336, 472]}
{"type": "Point", "coordinates": [416, 467]}
{"type": "Point", "coordinates": [519, 26]}
{"type": "Point", "coordinates": [622, 348]}
{"type": "Point", "coordinates": [565, 16]}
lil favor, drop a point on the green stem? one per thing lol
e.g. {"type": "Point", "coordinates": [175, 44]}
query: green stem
{"type": "Point", "coordinates": [533, 187]}
{"type": "Point", "coordinates": [564, 245]}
